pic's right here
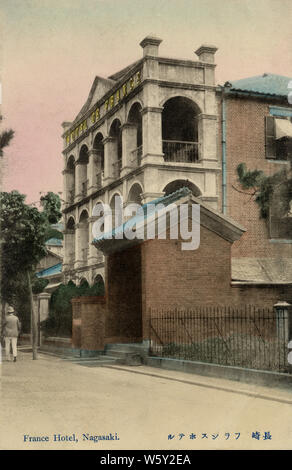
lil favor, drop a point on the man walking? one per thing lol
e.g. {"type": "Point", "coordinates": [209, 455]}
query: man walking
{"type": "Point", "coordinates": [11, 332]}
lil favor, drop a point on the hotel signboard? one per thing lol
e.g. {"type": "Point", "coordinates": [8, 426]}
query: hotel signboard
{"type": "Point", "coordinates": [103, 108]}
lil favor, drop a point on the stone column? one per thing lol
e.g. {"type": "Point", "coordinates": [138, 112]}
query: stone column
{"type": "Point", "coordinates": [80, 169]}
{"type": "Point", "coordinates": [94, 166]}
{"type": "Point", "coordinates": [69, 244]}
{"type": "Point", "coordinates": [129, 143]}
{"type": "Point", "coordinates": [207, 133]}
{"type": "Point", "coordinates": [94, 255]}
{"type": "Point", "coordinates": [66, 198]}
{"type": "Point", "coordinates": [150, 46]}
{"type": "Point", "coordinates": [43, 303]}
{"type": "Point", "coordinates": [152, 135]}
{"type": "Point", "coordinates": [206, 53]}
{"type": "Point", "coordinates": [78, 254]}
{"type": "Point", "coordinates": [110, 156]}
{"type": "Point", "coordinates": [151, 114]}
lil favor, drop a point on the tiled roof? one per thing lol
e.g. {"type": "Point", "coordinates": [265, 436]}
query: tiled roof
{"type": "Point", "coordinates": [56, 269]}
{"type": "Point", "coordinates": [142, 215]}
{"type": "Point", "coordinates": [266, 84]}
{"type": "Point", "coordinates": [55, 242]}
{"type": "Point", "coordinates": [151, 212]}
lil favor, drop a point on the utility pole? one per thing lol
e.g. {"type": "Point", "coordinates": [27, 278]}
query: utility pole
{"type": "Point", "coordinates": [34, 322]}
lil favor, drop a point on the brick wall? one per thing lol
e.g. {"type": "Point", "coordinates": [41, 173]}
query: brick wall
{"type": "Point", "coordinates": [245, 142]}
{"type": "Point", "coordinates": [88, 323]}
{"type": "Point", "coordinates": [172, 278]}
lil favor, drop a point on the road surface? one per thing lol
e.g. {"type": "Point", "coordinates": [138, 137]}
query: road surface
{"type": "Point", "coordinates": [51, 403]}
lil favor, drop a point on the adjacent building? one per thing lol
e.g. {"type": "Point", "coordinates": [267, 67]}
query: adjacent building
{"type": "Point", "coordinates": [50, 267]}
{"type": "Point", "coordinates": [255, 122]}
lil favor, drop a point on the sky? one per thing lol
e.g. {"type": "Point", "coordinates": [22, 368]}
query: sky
{"type": "Point", "coordinates": [51, 50]}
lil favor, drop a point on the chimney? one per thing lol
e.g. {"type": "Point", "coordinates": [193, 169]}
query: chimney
{"type": "Point", "coordinates": [206, 53]}
{"type": "Point", "coordinates": [150, 46]}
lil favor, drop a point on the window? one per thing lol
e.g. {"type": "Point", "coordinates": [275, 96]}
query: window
{"type": "Point", "coordinates": [279, 138]}
{"type": "Point", "coordinates": [280, 216]}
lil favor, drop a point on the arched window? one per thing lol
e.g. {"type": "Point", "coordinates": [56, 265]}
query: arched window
{"type": "Point", "coordinates": [116, 205]}
{"type": "Point", "coordinates": [180, 130]}
{"type": "Point", "coordinates": [70, 179]}
{"type": "Point", "coordinates": [70, 242]}
{"type": "Point", "coordinates": [98, 284]}
{"type": "Point", "coordinates": [135, 118]}
{"type": "Point", "coordinates": [134, 195]}
{"type": "Point", "coordinates": [83, 162]}
{"type": "Point", "coordinates": [179, 184]}
{"type": "Point", "coordinates": [98, 156]}
{"type": "Point", "coordinates": [84, 237]}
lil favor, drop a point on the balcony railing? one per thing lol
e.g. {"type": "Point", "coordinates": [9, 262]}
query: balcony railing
{"type": "Point", "coordinates": [136, 156]}
{"type": "Point", "coordinates": [117, 166]}
{"type": "Point", "coordinates": [179, 151]}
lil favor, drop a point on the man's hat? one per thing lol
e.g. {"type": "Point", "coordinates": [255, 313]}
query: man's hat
{"type": "Point", "coordinates": [10, 310]}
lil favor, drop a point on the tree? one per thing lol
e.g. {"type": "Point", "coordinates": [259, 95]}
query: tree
{"type": "Point", "coordinates": [263, 187]}
{"type": "Point", "coordinates": [59, 321]}
{"type": "Point", "coordinates": [24, 232]}
{"type": "Point", "coordinates": [52, 207]}
{"type": "Point", "coordinates": [5, 138]}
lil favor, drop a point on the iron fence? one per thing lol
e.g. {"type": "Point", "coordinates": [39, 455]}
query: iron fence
{"type": "Point", "coordinates": [179, 151]}
{"type": "Point", "coordinates": [251, 337]}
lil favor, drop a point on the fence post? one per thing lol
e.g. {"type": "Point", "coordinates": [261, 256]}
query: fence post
{"type": "Point", "coordinates": [284, 327]}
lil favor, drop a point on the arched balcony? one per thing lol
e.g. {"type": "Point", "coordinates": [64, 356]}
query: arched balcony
{"type": "Point", "coordinates": [116, 135]}
{"type": "Point", "coordinates": [83, 239]}
{"type": "Point", "coordinates": [99, 282]}
{"type": "Point", "coordinates": [135, 135]}
{"type": "Point", "coordinates": [98, 161]}
{"type": "Point", "coordinates": [116, 206]}
{"type": "Point", "coordinates": [69, 235]}
{"type": "Point", "coordinates": [179, 184]}
{"type": "Point", "coordinates": [70, 180]}
{"type": "Point", "coordinates": [81, 183]}
{"type": "Point", "coordinates": [135, 194]}
{"type": "Point", "coordinates": [180, 141]}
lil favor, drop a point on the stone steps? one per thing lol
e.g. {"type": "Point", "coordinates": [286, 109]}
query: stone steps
{"type": "Point", "coordinates": [120, 354]}
{"type": "Point", "coordinates": [129, 354]}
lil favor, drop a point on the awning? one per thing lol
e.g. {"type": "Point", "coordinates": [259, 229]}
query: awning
{"type": "Point", "coordinates": [283, 128]}
{"type": "Point", "coordinates": [262, 270]}
{"type": "Point", "coordinates": [51, 287]}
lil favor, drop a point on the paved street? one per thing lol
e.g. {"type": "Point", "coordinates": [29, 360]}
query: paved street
{"type": "Point", "coordinates": [140, 405]}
